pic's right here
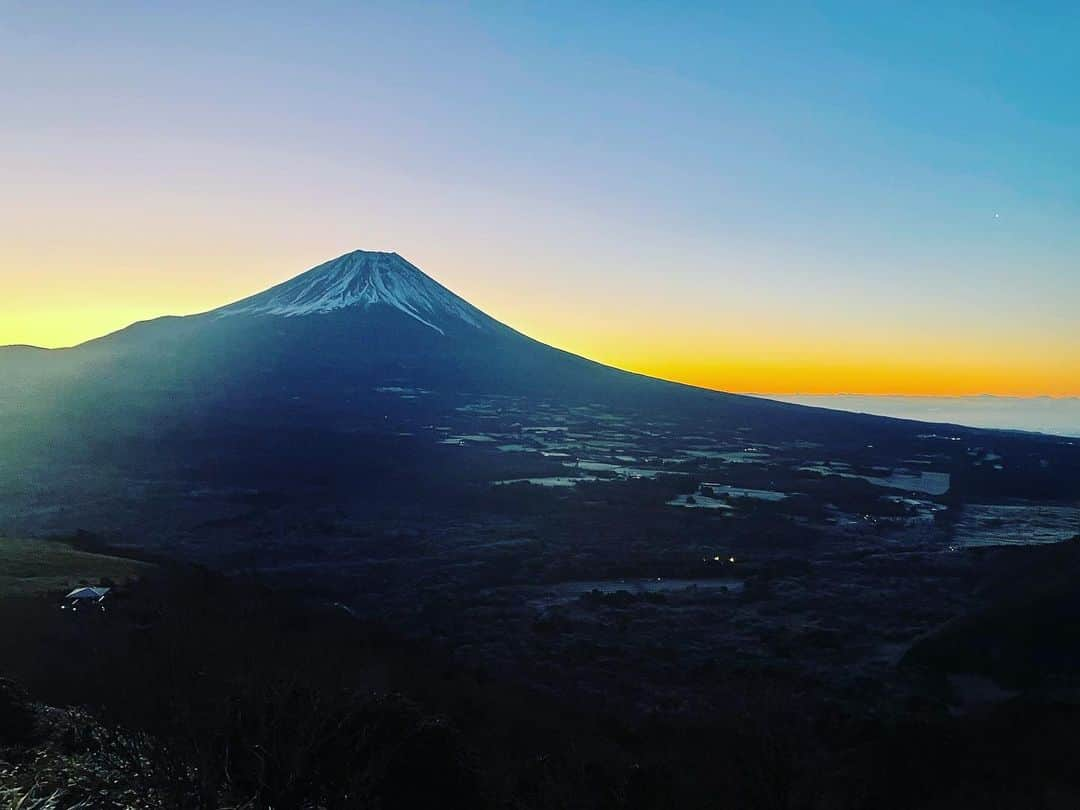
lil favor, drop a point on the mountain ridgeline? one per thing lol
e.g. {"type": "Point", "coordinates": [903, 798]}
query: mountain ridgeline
{"type": "Point", "coordinates": [312, 351]}
{"type": "Point", "coordinates": [315, 345]}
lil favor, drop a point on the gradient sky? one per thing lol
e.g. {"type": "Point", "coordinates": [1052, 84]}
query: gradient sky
{"type": "Point", "coordinates": [857, 197]}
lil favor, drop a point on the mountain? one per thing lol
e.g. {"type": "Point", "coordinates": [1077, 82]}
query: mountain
{"type": "Point", "coordinates": [315, 351]}
{"type": "Point", "coordinates": [313, 348]}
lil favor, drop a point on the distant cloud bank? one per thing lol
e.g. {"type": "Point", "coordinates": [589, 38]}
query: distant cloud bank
{"type": "Point", "coordinates": [1059, 416]}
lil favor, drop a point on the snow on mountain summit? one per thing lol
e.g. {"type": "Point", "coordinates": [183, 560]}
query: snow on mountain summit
{"type": "Point", "coordinates": [365, 279]}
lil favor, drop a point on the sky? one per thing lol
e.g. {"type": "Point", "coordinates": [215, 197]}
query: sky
{"type": "Point", "coordinates": [855, 197]}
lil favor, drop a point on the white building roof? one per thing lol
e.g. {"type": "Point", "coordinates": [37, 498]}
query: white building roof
{"type": "Point", "coordinates": [87, 593]}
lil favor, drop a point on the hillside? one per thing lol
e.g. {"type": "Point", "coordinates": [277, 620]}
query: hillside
{"type": "Point", "coordinates": [40, 567]}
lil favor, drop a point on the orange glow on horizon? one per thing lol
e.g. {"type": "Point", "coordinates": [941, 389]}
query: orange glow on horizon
{"type": "Point", "coordinates": [753, 355]}
{"type": "Point", "coordinates": [771, 380]}
{"type": "Point", "coordinates": [679, 360]}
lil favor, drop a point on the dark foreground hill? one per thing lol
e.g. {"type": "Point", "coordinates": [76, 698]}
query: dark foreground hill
{"type": "Point", "coordinates": [196, 692]}
{"type": "Point", "coordinates": [1026, 632]}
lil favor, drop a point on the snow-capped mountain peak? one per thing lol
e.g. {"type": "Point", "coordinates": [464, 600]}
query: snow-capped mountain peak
{"type": "Point", "coordinates": [365, 279]}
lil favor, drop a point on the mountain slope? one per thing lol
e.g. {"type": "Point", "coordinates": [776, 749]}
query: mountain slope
{"type": "Point", "coordinates": [310, 351]}
{"type": "Point", "coordinates": [314, 351]}
{"type": "Point", "coordinates": [359, 321]}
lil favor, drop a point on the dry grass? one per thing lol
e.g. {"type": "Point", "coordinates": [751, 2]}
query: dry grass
{"type": "Point", "coordinates": [81, 764]}
{"type": "Point", "coordinates": [33, 567]}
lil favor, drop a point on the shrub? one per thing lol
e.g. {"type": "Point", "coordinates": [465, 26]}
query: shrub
{"type": "Point", "coordinates": [16, 714]}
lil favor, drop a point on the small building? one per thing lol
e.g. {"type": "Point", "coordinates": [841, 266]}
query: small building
{"type": "Point", "coordinates": [85, 597]}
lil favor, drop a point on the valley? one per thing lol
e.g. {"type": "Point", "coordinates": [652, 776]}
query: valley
{"type": "Point", "coordinates": [560, 546]}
